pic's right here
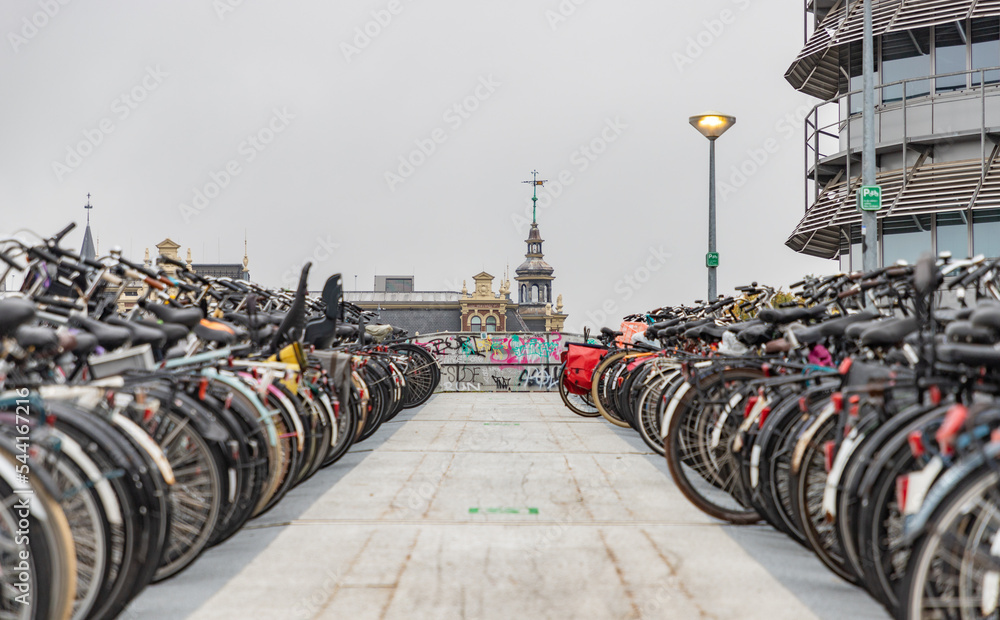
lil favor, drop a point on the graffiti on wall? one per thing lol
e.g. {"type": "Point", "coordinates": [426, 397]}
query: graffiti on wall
{"type": "Point", "coordinates": [498, 362]}
{"type": "Point", "coordinates": [499, 348]}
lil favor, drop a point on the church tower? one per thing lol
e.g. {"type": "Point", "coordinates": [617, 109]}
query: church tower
{"type": "Point", "coordinates": [534, 278]}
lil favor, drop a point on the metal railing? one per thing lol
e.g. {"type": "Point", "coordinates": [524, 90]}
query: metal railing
{"type": "Point", "coordinates": [821, 132]}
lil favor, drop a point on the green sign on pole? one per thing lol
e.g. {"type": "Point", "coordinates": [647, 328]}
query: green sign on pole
{"type": "Point", "coordinates": [870, 198]}
{"type": "Point", "coordinates": [712, 259]}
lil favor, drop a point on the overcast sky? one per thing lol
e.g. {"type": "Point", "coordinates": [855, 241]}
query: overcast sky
{"type": "Point", "coordinates": [391, 137]}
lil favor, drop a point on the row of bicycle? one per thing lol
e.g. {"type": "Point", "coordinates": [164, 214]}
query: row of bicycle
{"type": "Point", "coordinates": [134, 436]}
{"type": "Point", "coordinates": [861, 418]}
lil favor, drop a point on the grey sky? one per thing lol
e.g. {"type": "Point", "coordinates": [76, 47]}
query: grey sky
{"type": "Point", "coordinates": [534, 81]}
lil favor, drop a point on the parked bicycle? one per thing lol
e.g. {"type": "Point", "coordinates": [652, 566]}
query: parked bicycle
{"type": "Point", "coordinates": [130, 442]}
{"type": "Point", "coordinates": [860, 418]}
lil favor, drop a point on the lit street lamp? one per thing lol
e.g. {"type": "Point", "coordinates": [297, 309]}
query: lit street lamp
{"type": "Point", "coordinates": [712, 125]}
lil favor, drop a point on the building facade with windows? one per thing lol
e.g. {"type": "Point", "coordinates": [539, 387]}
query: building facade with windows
{"type": "Point", "coordinates": [171, 249]}
{"type": "Point", "coordinates": [937, 124]}
{"type": "Point", "coordinates": [482, 310]}
{"type": "Point", "coordinates": [486, 311]}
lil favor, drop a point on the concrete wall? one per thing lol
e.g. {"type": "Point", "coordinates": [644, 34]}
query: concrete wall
{"type": "Point", "coordinates": [501, 362]}
{"type": "Point", "coordinates": [423, 320]}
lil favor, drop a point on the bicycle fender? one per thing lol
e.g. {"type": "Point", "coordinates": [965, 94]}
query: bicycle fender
{"type": "Point", "coordinates": [916, 524]}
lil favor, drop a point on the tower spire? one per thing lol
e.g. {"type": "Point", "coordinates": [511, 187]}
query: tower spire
{"type": "Point", "coordinates": [534, 197]}
{"type": "Point", "coordinates": [87, 250]}
{"type": "Point", "coordinates": [246, 259]}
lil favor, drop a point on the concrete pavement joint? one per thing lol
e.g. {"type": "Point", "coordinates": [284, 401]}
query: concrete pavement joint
{"type": "Point", "coordinates": [399, 575]}
{"type": "Point", "coordinates": [673, 567]}
{"type": "Point", "coordinates": [505, 523]}
{"type": "Point", "coordinates": [350, 566]}
{"type": "Point", "coordinates": [618, 571]}
{"type": "Point", "coordinates": [403, 487]}
{"type": "Point", "coordinates": [587, 452]}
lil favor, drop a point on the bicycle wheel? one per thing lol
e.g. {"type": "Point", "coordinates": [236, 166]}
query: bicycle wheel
{"type": "Point", "coordinates": [580, 404]}
{"type": "Point", "coordinates": [377, 380]}
{"type": "Point", "coordinates": [648, 412]}
{"type": "Point", "coordinates": [422, 374]}
{"type": "Point", "coordinates": [698, 448]}
{"type": "Point", "coordinates": [345, 416]}
{"type": "Point", "coordinates": [879, 530]}
{"type": "Point", "coordinates": [47, 590]}
{"type": "Point", "coordinates": [88, 523]}
{"type": "Point", "coordinates": [399, 388]}
{"type": "Point", "coordinates": [777, 444]}
{"type": "Point", "coordinates": [601, 389]}
{"type": "Point", "coordinates": [136, 505]}
{"type": "Point", "coordinates": [361, 399]}
{"type": "Point", "coordinates": [953, 570]}
{"type": "Point", "coordinates": [808, 482]}
{"type": "Point", "coordinates": [195, 496]}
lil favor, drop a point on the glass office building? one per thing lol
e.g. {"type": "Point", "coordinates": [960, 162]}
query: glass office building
{"type": "Point", "coordinates": [937, 123]}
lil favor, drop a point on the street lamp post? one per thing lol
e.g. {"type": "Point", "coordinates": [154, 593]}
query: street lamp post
{"type": "Point", "coordinates": [869, 221]}
{"type": "Point", "coordinates": [712, 125]}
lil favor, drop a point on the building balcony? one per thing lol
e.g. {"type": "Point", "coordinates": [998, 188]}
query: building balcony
{"type": "Point", "coordinates": [950, 124]}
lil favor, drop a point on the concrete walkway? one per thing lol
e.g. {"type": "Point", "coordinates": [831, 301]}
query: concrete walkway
{"type": "Point", "coordinates": [500, 506]}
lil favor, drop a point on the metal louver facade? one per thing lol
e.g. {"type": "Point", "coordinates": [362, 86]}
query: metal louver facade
{"type": "Point", "coordinates": [931, 188]}
{"type": "Point", "coordinates": [816, 71]}
{"type": "Point", "coordinates": [937, 114]}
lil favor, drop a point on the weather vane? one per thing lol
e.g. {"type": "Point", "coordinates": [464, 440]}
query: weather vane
{"type": "Point", "coordinates": [88, 207]}
{"type": "Point", "coordinates": [534, 198]}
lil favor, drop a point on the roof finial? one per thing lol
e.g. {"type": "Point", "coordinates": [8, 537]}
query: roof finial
{"type": "Point", "coordinates": [534, 198]}
{"type": "Point", "coordinates": [88, 207]}
{"type": "Point", "coordinates": [246, 259]}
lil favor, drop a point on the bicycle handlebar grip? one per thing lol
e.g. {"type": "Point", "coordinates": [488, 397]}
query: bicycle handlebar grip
{"type": "Point", "coordinates": [975, 275]}
{"type": "Point", "coordinates": [55, 249]}
{"type": "Point", "coordinates": [172, 261]}
{"type": "Point", "coordinates": [43, 254]}
{"type": "Point", "coordinates": [851, 292]}
{"type": "Point", "coordinates": [152, 283]}
{"type": "Point", "coordinates": [869, 284]}
{"type": "Point", "coordinates": [62, 233]}
{"type": "Point", "coordinates": [7, 259]}
{"type": "Point", "coordinates": [111, 278]}
{"type": "Point", "coordinates": [184, 286]}
{"type": "Point", "coordinates": [55, 301]}
{"type": "Point", "coordinates": [140, 268]}
{"type": "Point", "coordinates": [52, 258]}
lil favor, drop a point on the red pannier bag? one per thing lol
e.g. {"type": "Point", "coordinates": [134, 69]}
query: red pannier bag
{"type": "Point", "coordinates": [581, 360]}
